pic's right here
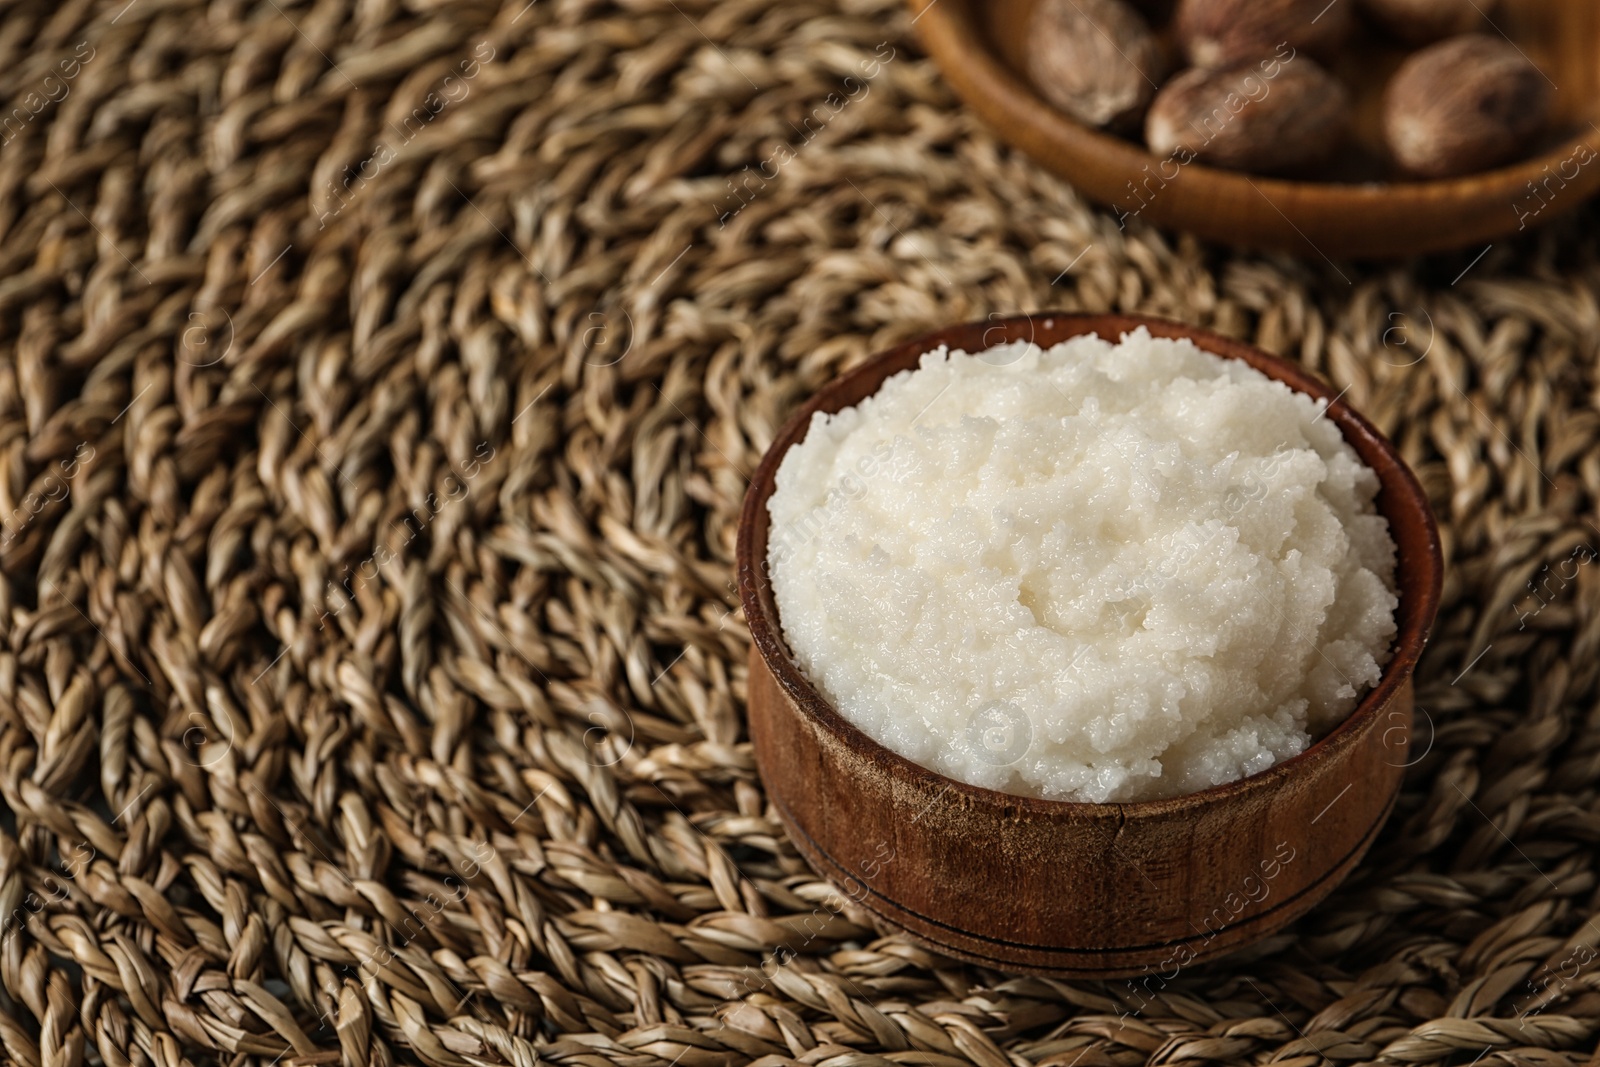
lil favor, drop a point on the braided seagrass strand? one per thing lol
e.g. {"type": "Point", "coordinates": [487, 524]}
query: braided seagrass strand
{"type": "Point", "coordinates": [380, 386]}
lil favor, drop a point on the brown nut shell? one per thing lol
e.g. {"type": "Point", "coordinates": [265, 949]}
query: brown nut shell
{"type": "Point", "coordinates": [1463, 105]}
{"type": "Point", "coordinates": [1264, 117]}
{"type": "Point", "coordinates": [1425, 21]}
{"type": "Point", "coordinates": [1222, 33]}
{"type": "Point", "coordinates": [1094, 59]}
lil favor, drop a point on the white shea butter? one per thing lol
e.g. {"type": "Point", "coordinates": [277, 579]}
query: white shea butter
{"type": "Point", "coordinates": [1095, 572]}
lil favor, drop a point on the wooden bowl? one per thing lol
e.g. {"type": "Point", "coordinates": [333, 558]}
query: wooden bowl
{"type": "Point", "coordinates": [1082, 890]}
{"type": "Point", "coordinates": [1363, 211]}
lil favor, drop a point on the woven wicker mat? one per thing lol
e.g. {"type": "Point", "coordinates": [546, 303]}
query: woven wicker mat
{"type": "Point", "coordinates": [380, 382]}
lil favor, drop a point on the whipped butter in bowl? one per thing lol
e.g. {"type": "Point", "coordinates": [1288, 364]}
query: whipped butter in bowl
{"type": "Point", "coordinates": [1103, 571]}
{"type": "Point", "coordinates": [1083, 643]}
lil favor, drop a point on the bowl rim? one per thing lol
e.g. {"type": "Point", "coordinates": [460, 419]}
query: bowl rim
{"type": "Point", "coordinates": [1408, 503]}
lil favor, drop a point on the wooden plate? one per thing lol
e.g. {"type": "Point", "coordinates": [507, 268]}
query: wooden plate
{"type": "Point", "coordinates": [1084, 890]}
{"type": "Point", "coordinates": [1365, 212]}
